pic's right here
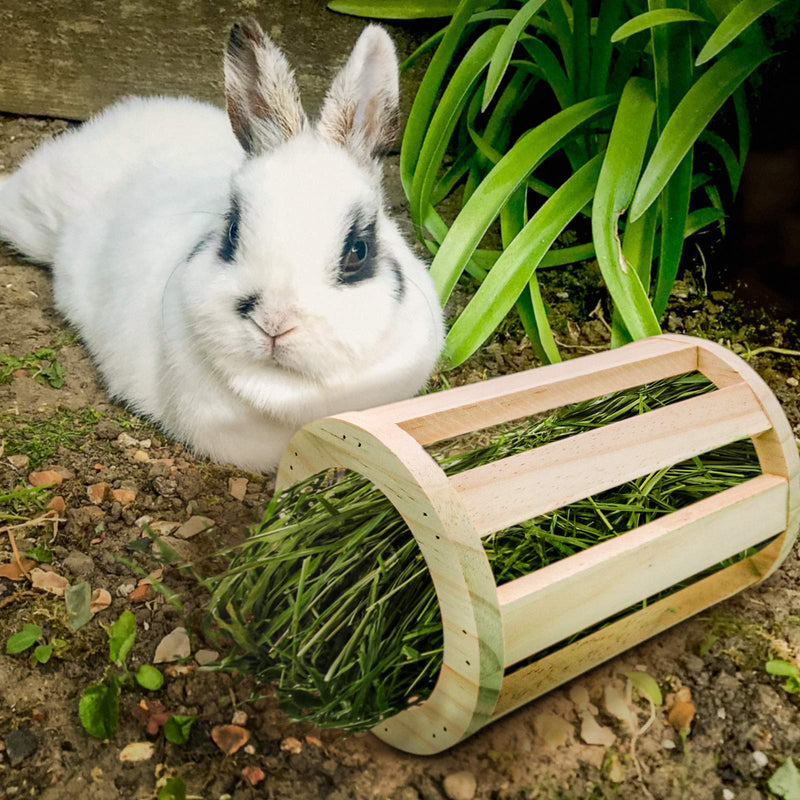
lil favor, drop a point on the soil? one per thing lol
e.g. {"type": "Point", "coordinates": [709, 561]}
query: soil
{"type": "Point", "coordinates": [745, 725]}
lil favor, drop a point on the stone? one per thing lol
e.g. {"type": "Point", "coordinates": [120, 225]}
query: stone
{"type": "Point", "coordinates": [237, 488]}
{"type": "Point", "coordinates": [105, 429]}
{"type": "Point", "coordinates": [173, 646]}
{"type": "Point", "coordinates": [760, 758]}
{"type": "Point", "coordinates": [57, 504]}
{"type": "Point", "coordinates": [126, 440]}
{"type": "Point", "coordinates": [79, 564]}
{"type": "Point", "coordinates": [97, 492]}
{"type": "Point", "coordinates": [124, 496]}
{"type": "Point", "coordinates": [203, 657]}
{"type": "Point", "coordinates": [141, 455]}
{"type": "Point", "coordinates": [19, 461]}
{"type": "Point", "coordinates": [20, 744]}
{"type": "Point", "coordinates": [460, 786]}
{"type": "Point", "coordinates": [43, 477]}
{"type": "Point", "coordinates": [193, 526]}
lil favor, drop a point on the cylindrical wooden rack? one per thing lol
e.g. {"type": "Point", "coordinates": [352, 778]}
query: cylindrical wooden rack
{"type": "Point", "coordinates": [490, 629]}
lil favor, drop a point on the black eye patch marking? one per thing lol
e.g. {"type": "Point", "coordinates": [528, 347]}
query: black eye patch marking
{"type": "Point", "coordinates": [245, 305]}
{"type": "Point", "coordinates": [230, 233]}
{"type": "Point", "coordinates": [400, 289]}
{"type": "Point", "coordinates": [199, 247]}
{"type": "Point", "coordinates": [358, 259]}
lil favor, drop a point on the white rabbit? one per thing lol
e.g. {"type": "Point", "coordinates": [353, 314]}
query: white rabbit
{"type": "Point", "coordinates": [233, 287]}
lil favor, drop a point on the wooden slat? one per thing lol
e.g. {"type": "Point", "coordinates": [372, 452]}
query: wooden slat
{"type": "Point", "coordinates": [442, 415]}
{"type": "Point", "coordinates": [533, 680]}
{"type": "Point", "coordinates": [553, 603]}
{"type": "Point", "coordinates": [523, 486]}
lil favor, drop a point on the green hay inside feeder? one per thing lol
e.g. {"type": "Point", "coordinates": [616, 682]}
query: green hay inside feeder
{"type": "Point", "coordinates": [329, 598]}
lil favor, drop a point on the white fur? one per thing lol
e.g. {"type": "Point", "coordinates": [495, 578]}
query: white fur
{"type": "Point", "coordinates": [117, 207]}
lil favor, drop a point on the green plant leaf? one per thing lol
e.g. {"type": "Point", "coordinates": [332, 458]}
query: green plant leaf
{"type": "Point", "coordinates": [729, 160]}
{"type": "Point", "coordinates": [607, 19]}
{"type": "Point", "coordinates": [23, 639]}
{"type": "Point", "coordinates": [690, 118]}
{"type": "Point", "coordinates": [425, 99]}
{"type": "Point", "coordinates": [173, 789]}
{"type": "Point", "coordinates": [149, 677]}
{"type": "Point", "coordinates": [741, 17]}
{"type": "Point", "coordinates": [99, 709]}
{"type": "Point", "coordinates": [551, 68]}
{"type": "Point", "coordinates": [40, 554]}
{"type": "Point", "coordinates": [121, 636]}
{"type": "Point", "coordinates": [42, 653]}
{"type": "Point", "coordinates": [651, 19]}
{"type": "Point", "coordinates": [178, 728]}
{"type": "Point", "coordinates": [78, 601]}
{"type": "Point", "coordinates": [701, 218]}
{"type": "Point", "coordinates": [647, 685]}
{"type": "Point", "coordinates": [395, 9]}
{"type": "Point", "coordinates": [785, 781]}
{"type": "Point", "coordinates": [505, 48]}
{"type": "Point", "coordinates": [783, 668]}
{"type": "Point", "coordinates": [621, 164]}
{"type": "Point", "coordinates": [515, 266]}
{"type": "Point", "coordinates": [493, 193]}
{"type": "Point", "coordinates": [445, 118]}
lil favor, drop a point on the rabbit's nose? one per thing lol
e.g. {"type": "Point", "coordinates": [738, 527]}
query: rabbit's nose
{"type": "Point", "coordinates": [279, 324]}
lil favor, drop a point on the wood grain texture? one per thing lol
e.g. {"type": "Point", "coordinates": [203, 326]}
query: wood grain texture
{"type": "Point", "coordinates": [488, 629]}
{"type": "Point", "coordinates": [533, 680]}
{"type": "Point", "coordinates": [472, 668]}
{"type": "Point", "coordinates": [523, 486]}
{"type": "Point", "coordinates": [605, 579]}
{"type": "Point", "coordinates": [70, 58]}
{"type": "Point", "coordinates": [442, 415]}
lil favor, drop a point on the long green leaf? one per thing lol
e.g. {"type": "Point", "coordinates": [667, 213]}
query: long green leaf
{"type": "Point", "coordinates": [531, 301]}
{"type": "Point", "coordinates": [395, 9]}
{"type": "Point", "coordinates": [741, 17]}
{"type": "Point", "coordinates": [729, 160]}
{"type": "Point", "coordinates": [512, 271]}
{"type": "Point", "coordinates": [552, 70]}
{"type": "Point", "coordinates": [425, 98]}
{"type": "Point", "coordinates": [701, 218]}
{"type": "Point", "coordinates": [620, 171]}
{"type": "Point", "coordinates": [432, 41]}
{"type": "Point", "coordinates": [563, 33]}
{"type": "Point", "coordinates": [607, 20]}
{"type": "Point", "coordinates": [505, 48]}
{"type": "Point", "coordinates": [690, 118]}
{"type": "Point", "coordinates": [650, 19]}
{"type": "Point", "coordinates": [446, 117]}
{"type": "Point", "coordinates": [493, 193]}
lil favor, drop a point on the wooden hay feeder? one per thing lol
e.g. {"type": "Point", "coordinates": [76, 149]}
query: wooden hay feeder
{"type": "Point", "coordinates": [489, 629]}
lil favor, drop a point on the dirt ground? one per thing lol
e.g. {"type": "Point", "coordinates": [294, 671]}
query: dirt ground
{"type": "Point", "coordinates": [745, 723]}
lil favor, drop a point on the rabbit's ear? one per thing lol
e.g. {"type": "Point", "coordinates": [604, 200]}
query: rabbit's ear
{"type": "Point", "coordinates": [260, 91]}
{"type": "Point", "coordinates": [360, 109]}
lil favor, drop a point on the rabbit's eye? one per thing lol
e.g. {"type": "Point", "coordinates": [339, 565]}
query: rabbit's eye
{"type": "Point", "coordinates": [355, 257]}
{"type": "Point", "coordinates": [357, 262]}
{"type": "Point", "coordinates": [230, 233]}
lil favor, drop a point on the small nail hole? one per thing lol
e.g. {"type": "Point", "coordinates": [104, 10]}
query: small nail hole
{"type": "Point", "coordinates": [438, 537]}
{"type": "Point", "coordinates": [290, 466]}
{"type": "Point", "coordinates": [424, 513]}
{"type": "Point", "coordinates": [295, 453]}
{"type": "Point", "coordinates": [343, 436]}
{"type": "Point", "coordinates": [464, 632]}
{"type": "Point", "coordinates": [467, 663]}
{"type": "Point", "coordinates": [359, 444]}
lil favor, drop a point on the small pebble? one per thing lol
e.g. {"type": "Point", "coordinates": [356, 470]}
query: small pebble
{"type": "Point", "coordinates": [45, 476]}
{"type": "Point", "coordinates": [19, 461]}
{"type": "Point", "coordinates": [97, 492]}
{"type": "Point", "coordinates": [239, 717]}
{"type": "Point", "coordinates": [194, 526]}
{"type": "Point", "coordinates": [20, 744]}
{"type": "Point", "coordinates": [124, 496]}
{"type": "Point", "coordinates": [792, 381]}
{"type": "Point", "coordinates": [727, 794]}
{"type": "Point", "coordinates": [760, 758]}
{"type": "Point", "coordinates": [124, 589]}
{"type": "Point", "coordinates": [460, 786]}
{"type": "Point", "coordinates": [203, 657]}
{"type": "Point", "coordinates": [126, 440]}
{"type": "Point", "coordinates": [668, 744]}
{"type": "Point", "coordinates": [79, 564]}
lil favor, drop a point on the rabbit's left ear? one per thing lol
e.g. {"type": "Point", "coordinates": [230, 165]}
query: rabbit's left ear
{"type": "Point", "coordinates": [360, 111]}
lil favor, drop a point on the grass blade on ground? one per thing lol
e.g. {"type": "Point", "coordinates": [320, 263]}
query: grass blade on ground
{"type": "Point", "coordinates": [741, 17]}
{"type": "Point", "coordinates": [690, 118]}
